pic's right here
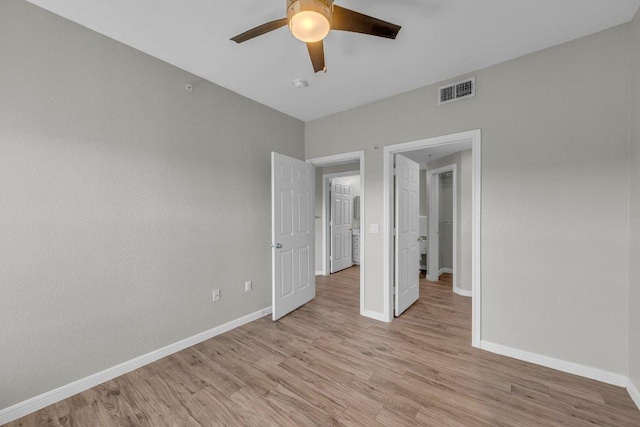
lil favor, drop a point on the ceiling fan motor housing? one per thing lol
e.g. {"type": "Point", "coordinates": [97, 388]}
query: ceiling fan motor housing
{"type": "Point", "coordinates": [319, 6]}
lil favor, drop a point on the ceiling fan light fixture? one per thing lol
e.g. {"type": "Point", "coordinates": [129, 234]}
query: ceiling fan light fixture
{"type": "Point", "coordinates": [309, 20]}
{"type": "Point", "coordinates": [309, 26]}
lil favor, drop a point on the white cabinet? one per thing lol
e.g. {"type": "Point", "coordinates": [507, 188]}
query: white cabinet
{"type": "Point", "coordinates": [355, 247]}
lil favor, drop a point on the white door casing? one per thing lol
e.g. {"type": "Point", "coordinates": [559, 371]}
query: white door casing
{"type": "Point", "coordinates": [474, 139]}
{"type": "Point", "coordinates": [407, 265]}
{"type": "Point", "coordinates": [340, 225]}
{"type": "Point", "coordinates": [293, 234]}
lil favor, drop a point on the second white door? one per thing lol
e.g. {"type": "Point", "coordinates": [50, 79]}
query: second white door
{"type": "Point", "coordinates": [341, 257]}
{"type": "Point", "coordinates": [407, 266]}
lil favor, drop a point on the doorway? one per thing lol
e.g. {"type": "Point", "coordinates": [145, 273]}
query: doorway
{"type": "Point", "coordinates": [340, 219]}
{"type": "Point", "coordinates": [442, 254]}
{"type": "Point", "coordinates": [349, 164]}
{"type": "Point", "coordinates": [443, 144]}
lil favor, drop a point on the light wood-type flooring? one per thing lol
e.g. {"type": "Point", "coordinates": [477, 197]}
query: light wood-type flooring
{"type": "Point", "coordinates": [326, 365]}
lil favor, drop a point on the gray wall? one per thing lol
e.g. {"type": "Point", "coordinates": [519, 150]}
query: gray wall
{"type": "Point", "coordinates": [125, 201]}
{"type": "Point", "coordinates": [634, 234]}
{"type": "Point", "coordinates": [355, 192]}
{"type": "Point", "coordinates": [464, 214]}
{"type": "Point", "coordinates": [554, 232]}
{"type": "Point", "coordinates": [445, 217]}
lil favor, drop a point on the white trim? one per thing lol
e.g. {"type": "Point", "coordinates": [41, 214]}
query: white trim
{"type": "Point", "coordinates": [26, 407]}
{"type": "Point", "coordinates": [446, 270]}
{"type": "Point", "coordinates": [320, 273]}
{"type": "Point", "coordinates": [558, 364]}
{"type": "Point", "coordinates": [326, 214]}
{"type": "Point", "coordinates": [475, 137]}
{"type": "Point", "coordinates": [462, 292]}
{"type": "Point", "coordinates": [345, 158]}
{"type": "Point", "coordinates": [633, 392]}
{"type": "Point", "coordinates": [476, 237]}
{"type": "Point", "coordinates": [376, 315]}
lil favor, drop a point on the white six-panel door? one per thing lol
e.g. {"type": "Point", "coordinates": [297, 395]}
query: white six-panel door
{"type": "Point", "coordinates": [340, 225]}
{"type": "Point", "coordinates": [407, 265]}
{"type": "Point", "coordinates": [293, 234]}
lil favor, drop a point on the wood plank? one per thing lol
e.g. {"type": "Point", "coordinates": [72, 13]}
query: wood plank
{"type": "Point", "coordinates": [324, 364]}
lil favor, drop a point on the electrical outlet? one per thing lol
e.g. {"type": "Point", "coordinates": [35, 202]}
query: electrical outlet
{"type": "Point", "coordinates": [216, 295]}
{"type": "Point", "coordinates": [248, 286]}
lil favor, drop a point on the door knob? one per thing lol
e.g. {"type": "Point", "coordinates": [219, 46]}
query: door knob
{"type": "Point", "coordinates": [277, 245]}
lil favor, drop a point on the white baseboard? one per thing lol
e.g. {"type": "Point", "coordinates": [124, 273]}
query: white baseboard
{"type": "Point", "coordinates": [319, 272]}
{"type": "Point", "coordinates": [445, 270]}
{"type": "Point", "coordinates": [559, 364]}
{"type": "Point", "coordinates": [462, 292]}
{"type": "Point", "coordinates": [633, 392]}
{"type": "Point", "coordinates": [374, 315]}
{"type": "Point", "coordinates": [38, 402]}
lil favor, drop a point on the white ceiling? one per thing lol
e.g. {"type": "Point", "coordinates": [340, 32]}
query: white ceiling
{"type": "Point", "coordinates": [440, 39]}
{"type": "Point", "coordinates": [424, 156]}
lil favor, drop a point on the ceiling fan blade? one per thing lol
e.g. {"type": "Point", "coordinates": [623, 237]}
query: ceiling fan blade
{"type": "Point", "coordinates": [260, 30]}
{"type": "Point", "coordinates": [316, 52]}
{"type": "Point", "coordinates": [348, 20]}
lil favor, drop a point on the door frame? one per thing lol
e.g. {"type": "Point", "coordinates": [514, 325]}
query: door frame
{"type": "Point", "coordinates": [475, 138]}
{"type": "Point", "coordinates": [335, 160]}
{"type": "Point", "coordinates": [434, 191]}
{"type": "Point", "coordinates": [326, 214]}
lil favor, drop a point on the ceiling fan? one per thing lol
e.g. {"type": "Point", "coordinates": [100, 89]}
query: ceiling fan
{"type": "Point", "coordinates": [311, 20]}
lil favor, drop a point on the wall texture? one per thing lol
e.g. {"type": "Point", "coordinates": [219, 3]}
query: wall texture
{"type": "Point", "coordinates": [634, 211]}
{"type": "Point", "coordinates": [125, 201]}
{"type": "Point", "coordinates": [423, 193]}
{"type": "Point", "coordinates": [445, 217]}
{"type": "Point", "coordinates": [554, 233]}
{"type": "Point", "coordinates": [355, 192]}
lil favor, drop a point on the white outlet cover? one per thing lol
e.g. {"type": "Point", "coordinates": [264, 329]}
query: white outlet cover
{"type": "Point", "coordinates": [375, 228]}
{"type": "Point", "coordinates": [248, 285]}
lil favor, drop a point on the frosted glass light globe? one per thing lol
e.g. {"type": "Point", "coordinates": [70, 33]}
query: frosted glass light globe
{"type": "Point", "coordinates": [309, 26]}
